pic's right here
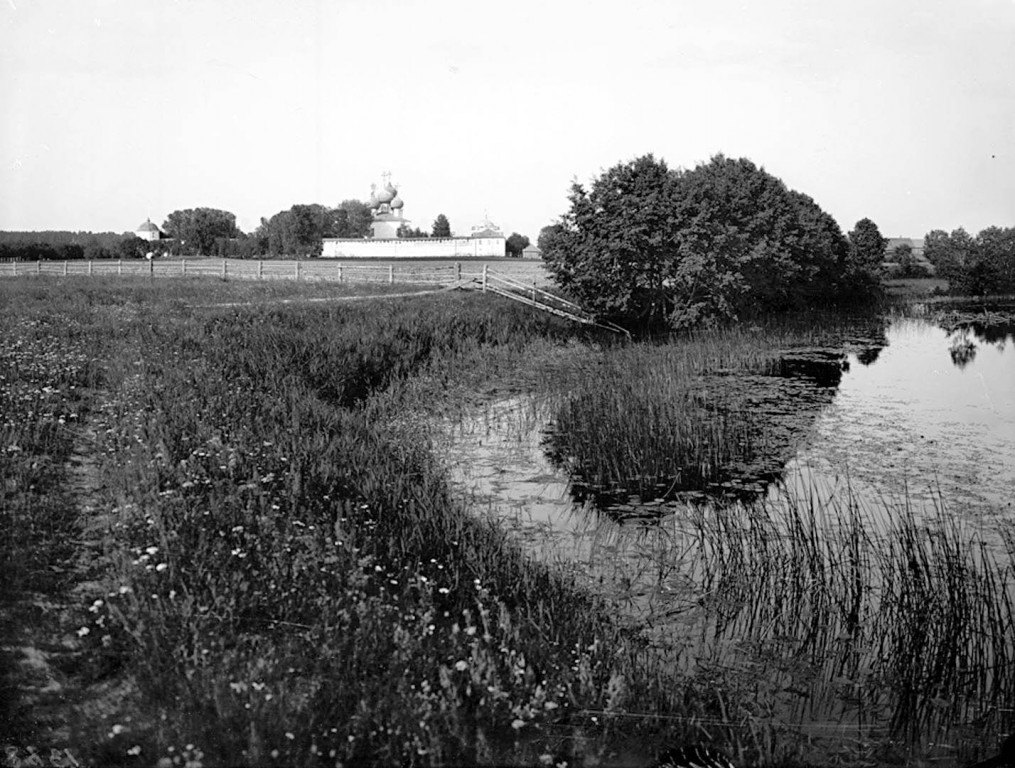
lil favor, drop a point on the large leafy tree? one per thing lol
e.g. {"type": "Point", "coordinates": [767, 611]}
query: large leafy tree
{"type": "Point", "coordinates": [949, 253]}
{"type": "Point", "coordinates": [865, 257]}
{"type": "Point", "coordinates": [981, 265]}
{"type": "Point", "coordinates": [996, 247]}
{"type": "Point", "coordinates": [515, 244]}
{"type": "Point", "coordinates": [618, 243]}
{"type": "Point", "coordinates": [357, 218]}
{"type": "Point", "coordinates": [546, 235]}
{"type": "Point", "coordinates": [441, 226]}
{"type": "Point", "coordinates": [195, 230]}
{"type": "Point", "coordinates": [866, 244]}
{"type": "Point", "coordinates": [644, 244]}
{"type": "Point", "coordinates": [132, 247]}
{"type": "Point", "coordinates": [299, 231]}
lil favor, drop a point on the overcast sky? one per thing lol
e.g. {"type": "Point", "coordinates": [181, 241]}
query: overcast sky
{"type": "Point", "coordinates": [112, 111]}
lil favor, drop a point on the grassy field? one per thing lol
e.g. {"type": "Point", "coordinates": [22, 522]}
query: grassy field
{"type": "Point", "coordinates": [352, 271]}
{"type": "Point", "coordinates": [224, 540]}
{"type": "Point", "coordinates": [222, 528]}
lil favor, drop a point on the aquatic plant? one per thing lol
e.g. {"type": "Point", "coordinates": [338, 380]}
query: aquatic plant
{"type": "Point", "coordinates": [715, 413]}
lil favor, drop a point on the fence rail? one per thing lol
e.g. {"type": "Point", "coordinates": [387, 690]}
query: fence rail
{"type": "Point", "coordinates": [519, 281]}
{"type": "Point", "coordinates": [426, 273]}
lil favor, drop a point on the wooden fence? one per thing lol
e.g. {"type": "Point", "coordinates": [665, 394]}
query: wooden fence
{"type": "Point", "coordinates": [416, 272]}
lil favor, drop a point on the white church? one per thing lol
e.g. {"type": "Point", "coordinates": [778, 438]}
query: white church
{"type": "Point", "coordinates": [486, 240]}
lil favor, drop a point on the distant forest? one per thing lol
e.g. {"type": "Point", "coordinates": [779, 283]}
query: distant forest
{"type": "Point", "coordinates": [35, 246]}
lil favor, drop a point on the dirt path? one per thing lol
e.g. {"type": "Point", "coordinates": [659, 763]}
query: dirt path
{"type": "Point", "coordinates": [329, 299]}
{"type": "Point", "coordinates": [55, 695]}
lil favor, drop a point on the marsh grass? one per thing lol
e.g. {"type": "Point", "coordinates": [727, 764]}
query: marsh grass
{"type": "Point", "coordinates": [285, 578]}
{"type": "Point", "coordinates": [713, 412]}
{"type": "Point", "coordinates": [822, 619]}
{"type": "Point", "coordinates": [911, 618]}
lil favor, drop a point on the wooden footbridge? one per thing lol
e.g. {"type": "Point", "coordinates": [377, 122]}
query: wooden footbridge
{"type": "Point", "coordinates": [504, 285]}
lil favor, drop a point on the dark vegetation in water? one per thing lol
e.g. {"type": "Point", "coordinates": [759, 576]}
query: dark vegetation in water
{"type": "Point", "coordinates": [967, 323]}
{"type": "Point", "coordinates": [714, 415]}
{"type": "Point", "coordinates": [991, 325]}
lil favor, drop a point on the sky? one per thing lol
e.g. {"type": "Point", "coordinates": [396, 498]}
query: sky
{"type": "Point", "coordinates": [114, 111]}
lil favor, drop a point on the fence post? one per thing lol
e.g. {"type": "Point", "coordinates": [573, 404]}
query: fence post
{"type": "Point", "coordinates": [119, 266]}
{"type": "Point", "coordinates": [339, 273]}
{"type": "Point", "coordinates": [458, 271]}
{"type": "Point", "coordinates": [260, 269]}
{"type": "Point", "coordinates": [484, 278]}
{"type": "Point", "coordinates": [391, 274]}
{"type": "Point", "coordinates": [533, 290]}
{"type": "Point", "coordinates": [89, 267]}
{"type": "Point", "coordinates": [38, 267]}
{"type": "Point", "coordinates": [65, 267]}
{"type": "Point", "coordinates": [223, 269]}
{"type": "Point", "coordinates": [183, 265]}
{"type": "Point", "coordinates": [151, 268]}
{"type": "Point", "coordinates": [15, 263]}
{"type": "Point", "coordinates": [297, 269]}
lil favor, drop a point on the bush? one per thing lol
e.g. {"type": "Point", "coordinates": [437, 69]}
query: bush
{"type": "Point", "coordinates": [647, 245]}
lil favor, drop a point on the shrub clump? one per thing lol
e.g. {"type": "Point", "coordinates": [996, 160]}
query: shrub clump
{"type": "Point", "coordinates": [649, 245]}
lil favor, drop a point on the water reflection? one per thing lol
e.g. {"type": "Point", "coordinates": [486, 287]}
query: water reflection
{"type": "Point", "coordinates": [893, 491]}
{"type": "Point", "coordinates": [993, 325]}
{"type": "Point", "coordinates": [962, 351]}
{"type": "Point", "coordinates": [904, 425]}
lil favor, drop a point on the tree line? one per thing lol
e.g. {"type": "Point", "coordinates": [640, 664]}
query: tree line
{"type": "Point", "coordinates": [297, 232]}
{"type": "Point", "coordinates": [58, 245]}
{"type": "Point", "coordinates": [973, 266]}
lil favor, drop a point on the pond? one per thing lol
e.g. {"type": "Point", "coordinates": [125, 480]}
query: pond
{"type": "Point", "coordinates": [857, 579]}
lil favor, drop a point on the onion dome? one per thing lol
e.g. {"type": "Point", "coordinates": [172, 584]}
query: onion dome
{"type": "Point", "coordinates": [397, 203]}
{"type": "Point", "coordinates": [387, 194]}
{"type": "Point", "coordinates": [147, 227]}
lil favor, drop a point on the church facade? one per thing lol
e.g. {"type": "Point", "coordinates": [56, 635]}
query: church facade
{"type": "Point", "coordinates": [386, 208]}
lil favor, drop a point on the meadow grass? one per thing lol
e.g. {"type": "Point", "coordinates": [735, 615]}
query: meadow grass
{"type": "Point", "coordinates": [285, 578]}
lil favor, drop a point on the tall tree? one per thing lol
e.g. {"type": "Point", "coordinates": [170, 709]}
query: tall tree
{"type": "Point", "coordinates": [357, 217]}
{"type": "Point", "coordinates": [441, 226]}
{"type": "Point", "coordinates": [298, 231]}
{"type": "Point", "coordinates": [866, 244]}
{"type": "Point", "coordinates": [516, 244]}
{"type": "Point", "coordinates": [132, 247]}
{"type": "Point", "coordinates": [948, 253]}
{"type": "Point", "coordinates": [196, 229]}
{"type": "Point", "coordinates": [996, 247]}
{"type": "Point", "coordinates": [645, 244]}
{"type": "Point", "coordinates": [546, 236]}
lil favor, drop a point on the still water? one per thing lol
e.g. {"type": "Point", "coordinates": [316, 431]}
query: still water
{"type": "Point", "coordinates": [912, 420]}
{"type": "Point", "coordinates": [920, 422]}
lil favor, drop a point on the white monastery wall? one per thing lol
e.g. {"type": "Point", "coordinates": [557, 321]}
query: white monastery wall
{"type": "Point", "coordinates": [405, 248]}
